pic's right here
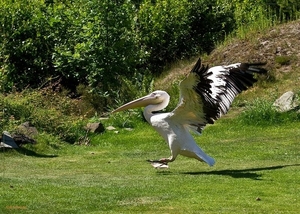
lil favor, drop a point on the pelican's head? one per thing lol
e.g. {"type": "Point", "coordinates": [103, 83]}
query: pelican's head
{"type": "Point", "coordinates": [159, 98]}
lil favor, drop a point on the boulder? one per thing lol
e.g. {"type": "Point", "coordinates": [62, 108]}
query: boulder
{"type": "Point", "coordinates": [110, 128]}
{"type": "Point", "coordinates": [27, 130]}
{"type": "Point", "coordinates": [22, 139]}
{"type": "Point", "coordinates": [95, 127]}
{"type": "Point", "coordinates": [7, 141]}
{"type": "Point", "coordinates": [286, 102]}
{"type": "Point", "coordinates": [23, 134]}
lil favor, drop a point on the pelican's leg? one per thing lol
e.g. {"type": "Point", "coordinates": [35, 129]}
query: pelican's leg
{"type": "Point", "coordinates": [174, 152]}
{"type": "Point", "coordinates": [167, 160]}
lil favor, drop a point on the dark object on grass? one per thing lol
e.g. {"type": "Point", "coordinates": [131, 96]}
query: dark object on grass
{"type": "Point", "coordinates": [14, 141]}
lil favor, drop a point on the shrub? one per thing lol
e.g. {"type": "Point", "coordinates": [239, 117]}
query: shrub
{"type": "Point", "coordinates": [99, 46]}
{"type": "Point", "coordinates": [51, 113]}
{"type": "Point", "coordinates": [26, 43]}
{"type": "Point", "coordinates": [262, 112]}
{"type": "Point", "coordinates": [173, 29]}
{"type": "Point", "coordinates": [283, 60]}
{"type": "Point", "coordinates": [100, 43]}
{"type": "Point", "coordinates": [86, 42]}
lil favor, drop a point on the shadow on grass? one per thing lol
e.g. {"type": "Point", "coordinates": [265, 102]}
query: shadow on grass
{"type": "Point", "coordinates": [29, 152]}
{"type": "Point", "coordinates": [241, 173]}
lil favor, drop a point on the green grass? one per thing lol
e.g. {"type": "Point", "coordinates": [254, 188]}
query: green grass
{"type": "Point", "coordinates": [262, 112]}
{"type": "Point", "coordinates": [112, 176]}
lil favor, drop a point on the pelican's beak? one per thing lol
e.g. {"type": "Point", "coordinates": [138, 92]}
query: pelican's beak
{"type": "Point", "coordinates": [141, 102]}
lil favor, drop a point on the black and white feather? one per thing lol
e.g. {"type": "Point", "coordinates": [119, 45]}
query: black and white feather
{"type": "Point", "coordinates": [207, 93]}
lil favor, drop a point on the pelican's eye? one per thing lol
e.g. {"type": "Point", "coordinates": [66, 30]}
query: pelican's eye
{"type": "Point", "coordinates": [156, 95]}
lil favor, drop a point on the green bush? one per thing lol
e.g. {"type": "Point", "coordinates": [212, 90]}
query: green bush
{"type": "Point", "coordinates": [100, 43]}
{"type": "Point", "coordinates": [283, 60]}
{"type": "Point", "coordinates": [262, 112]}
{"type": "Point", "coordinates": [86, 42]}
{"type": "Point", "coordinates": [174, 29]}
{"type": "Point", "coordinates": [50, 112]}
{"type": "Point", "coordinates": [26, 43]}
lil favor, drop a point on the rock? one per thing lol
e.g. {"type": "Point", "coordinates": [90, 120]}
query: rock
{"type": "Point", "coordinates": [95, 127]}
{"type": "Point", "coordinates": [110, 128]}
{"type": "Point", "coordinates": [7, 141]}
{"type": "Point", "coordinates": [278, 50]}
{"type": "Point", "coordinates": [22, 135]}
{"type": "Point", "coordinates": [27, 130]}
{"type": "Point", "coordinates": [103, 118]}
{"type": "Point", "coordinates": [286, 102]}
{"type": "Point", "coordinates": [21, 139]}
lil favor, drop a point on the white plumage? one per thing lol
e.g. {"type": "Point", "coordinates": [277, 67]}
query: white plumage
{"type": "Point", "coordinates": [205, 95]}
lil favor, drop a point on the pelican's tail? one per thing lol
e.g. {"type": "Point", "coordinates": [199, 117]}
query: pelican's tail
{"type": "Point", "coordinates": [199, 155]}
{"type": "Point", "coordinates": [207, 159]}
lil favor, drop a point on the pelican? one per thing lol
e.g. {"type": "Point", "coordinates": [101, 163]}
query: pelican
{"type": "Point", "coordinates": [205, 95]}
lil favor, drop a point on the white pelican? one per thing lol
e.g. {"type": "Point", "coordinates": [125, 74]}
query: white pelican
{"type": "Point", "coordinates": [205, 95]}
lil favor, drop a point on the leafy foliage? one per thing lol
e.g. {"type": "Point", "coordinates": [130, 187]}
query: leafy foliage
{"type": "Point", "coordinates": [50, 112]}
{"type": "Point", "coordinates": [104, 44]}
{"type": "Point", "coordinates": [175, 29]}
{"type": "Point", "coordinates": [25, 43]}
{"type": "Point", "coordinates": [84, 42]}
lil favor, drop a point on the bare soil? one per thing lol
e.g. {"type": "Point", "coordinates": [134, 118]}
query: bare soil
{"type": "Point", "coordinates": [278, 46]}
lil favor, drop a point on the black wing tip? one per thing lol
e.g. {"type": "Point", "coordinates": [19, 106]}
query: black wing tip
{"type": "Point", "coordinates": [196, 66]}
{"type": "Point", "coordinates": [255, 67]}
{"type": "Point", "coordinates": [256, 63]}
{"type": "Point", "coordinates": [199, 67]}
{"type": "Point", "coordinates": [199, 61]}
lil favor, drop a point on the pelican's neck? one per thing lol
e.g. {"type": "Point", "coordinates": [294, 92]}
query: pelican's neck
{"type": "Point", "coordinates": [148, 111]}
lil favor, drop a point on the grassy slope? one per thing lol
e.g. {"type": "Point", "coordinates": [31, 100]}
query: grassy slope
{"type": "Point", "coordinates": [274, 46]}
{"type": "Point", "coordinates": [111, 176]}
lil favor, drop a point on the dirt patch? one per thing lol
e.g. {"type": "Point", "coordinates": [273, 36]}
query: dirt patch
{"type": "Point", "coordinates": [278, 46]}
{"type": "Point", "coordinates": [281, 40]}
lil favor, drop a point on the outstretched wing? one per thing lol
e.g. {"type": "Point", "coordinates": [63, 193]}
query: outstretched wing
{"type": "Point", "coordinates": [207, 93]}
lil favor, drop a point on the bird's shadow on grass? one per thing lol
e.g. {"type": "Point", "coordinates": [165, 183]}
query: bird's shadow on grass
{"type": "Point", "coordinates": [241, 173]}
{"type": "Point", "coordinates": [252, 173]}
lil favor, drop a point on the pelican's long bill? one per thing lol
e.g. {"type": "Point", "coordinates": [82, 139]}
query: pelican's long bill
{"type": "Point", "coordinates": [140, 102]}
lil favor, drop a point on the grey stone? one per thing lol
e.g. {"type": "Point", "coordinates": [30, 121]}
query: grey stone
{"type": "Point", "coordinates": [286, 102]}
{"type": "Point", "coordinates": [95, 127]}
{"type": "Point", "coordinates": [8, 141]}
{"type": "Point", "coordinates": [110, 128]}
{"type": "Point", "coordinates": [27, 129]}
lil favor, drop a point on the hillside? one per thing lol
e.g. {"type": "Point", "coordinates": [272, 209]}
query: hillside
{"type": "Point", "coordinates": [278, 46]}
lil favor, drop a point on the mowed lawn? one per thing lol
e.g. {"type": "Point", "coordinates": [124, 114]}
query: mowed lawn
{"type": "Point", "coordinates": [257, 171]}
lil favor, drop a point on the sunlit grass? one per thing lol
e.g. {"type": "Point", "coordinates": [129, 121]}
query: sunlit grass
{"type": "Point", "coordinates": [257, 170]}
